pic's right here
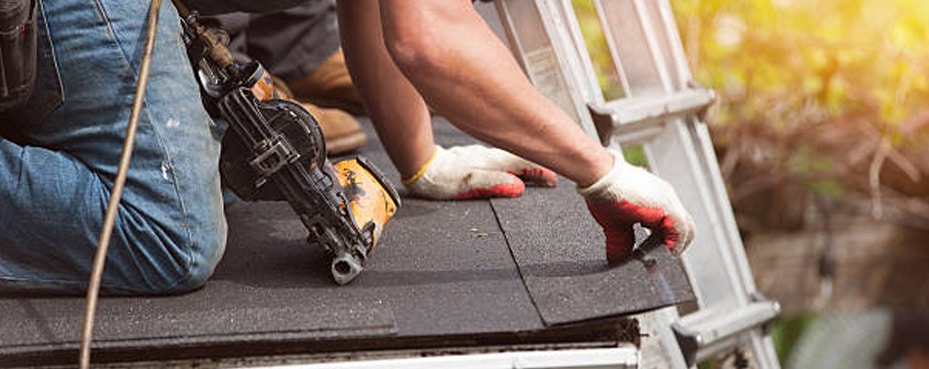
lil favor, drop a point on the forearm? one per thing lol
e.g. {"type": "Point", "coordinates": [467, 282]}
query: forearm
{"type": "Point", "coordinates": [470, 77]}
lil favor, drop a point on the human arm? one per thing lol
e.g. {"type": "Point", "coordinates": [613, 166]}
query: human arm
{"type": "Point", "coordinates": [444, 51]}
{"type": "Point", "coordinates": [404, 125]}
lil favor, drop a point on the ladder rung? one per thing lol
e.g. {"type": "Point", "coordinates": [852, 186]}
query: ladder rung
{"type": "Point", "coordinates": [629, 115]}
{"type": "Point", "coordinates": [709, 326]}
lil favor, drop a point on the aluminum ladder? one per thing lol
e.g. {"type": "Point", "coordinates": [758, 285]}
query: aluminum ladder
{"type": "Point", "coordinates": [661, 111]}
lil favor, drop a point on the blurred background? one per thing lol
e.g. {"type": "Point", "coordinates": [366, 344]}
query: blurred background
{"type": "Point", "coordinates": [822, 133]}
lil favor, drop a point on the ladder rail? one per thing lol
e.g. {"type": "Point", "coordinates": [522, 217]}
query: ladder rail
{"type": "Point", "coordinates": [640, 63]}
{"type": "Point", "coordinates": [710, 286]}
{"type": "Point", "coordinates": [676, 47]}
{"type": "Point", "coordinates": [724, 208]}
{"type": "Point", "coordinates": [545, 62]}
{"type": "Point", "coordinates": [701, 158]}
{"type": "Point", "coordinates": [652, 41]}
{"type": "Point", "coordinates": [762, 344]}
{"type": "Point", "coordinates": [676, 141]}
{"type": "Point", "coordinates": [660, 111]}
{"type": "Point", "coordinates": [592, 84]}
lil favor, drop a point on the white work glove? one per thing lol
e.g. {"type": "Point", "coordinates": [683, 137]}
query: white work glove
{"type": "Point", "coordinates": [629, 194]}
{"type": "Point", "coordinates": [471, 172]}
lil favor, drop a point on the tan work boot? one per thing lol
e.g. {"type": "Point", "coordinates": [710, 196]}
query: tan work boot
{"type": "Point", "coordinates": [341, 130]}
{"type": "Point", "coordinates": [329, 86]}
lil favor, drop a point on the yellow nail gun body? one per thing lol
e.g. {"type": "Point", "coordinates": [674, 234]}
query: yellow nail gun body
{"type": "Point", "coordinates": [277, 152]}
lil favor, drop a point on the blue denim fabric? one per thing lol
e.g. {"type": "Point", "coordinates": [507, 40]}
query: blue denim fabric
{"type": "Point", "coordinates": [55, 179]}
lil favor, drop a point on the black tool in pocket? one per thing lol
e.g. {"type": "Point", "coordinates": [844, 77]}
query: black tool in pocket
{"type": "Point", "coordinates": [17, 51]}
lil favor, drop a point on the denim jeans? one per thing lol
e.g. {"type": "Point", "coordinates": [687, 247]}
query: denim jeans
{"type": "Point", "coordinates": [58, 163]}
{"type": "Point", "coordinates": [291, 43]}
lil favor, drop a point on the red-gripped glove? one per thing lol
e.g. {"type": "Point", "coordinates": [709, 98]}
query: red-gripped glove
{"type": "Point", "coordinates": [629, 194]}
{"type": "Point", "coordinates": [474, 171]}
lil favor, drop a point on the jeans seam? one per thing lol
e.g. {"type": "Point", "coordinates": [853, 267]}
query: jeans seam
{"type": "Point", "coordinates": [188, 244]}
{"type": "Point", "coordinates": [53, 55]}
{"type": "Point", "coordinates": [101, 9]}
{"type": "Point", "coordinates": [54, 60]}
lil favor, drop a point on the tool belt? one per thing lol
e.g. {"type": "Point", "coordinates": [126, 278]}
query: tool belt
{"type": "Point", "coordinates": [17, 51]}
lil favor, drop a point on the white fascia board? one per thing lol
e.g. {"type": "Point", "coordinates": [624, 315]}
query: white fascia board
{"type": "Point", "coordinates": [626, 357]}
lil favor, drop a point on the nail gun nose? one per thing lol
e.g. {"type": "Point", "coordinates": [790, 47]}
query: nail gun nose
{"type": "Point", "coordinates": [345, 268]}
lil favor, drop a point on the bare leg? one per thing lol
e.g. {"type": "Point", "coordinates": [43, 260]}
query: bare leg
{"type": "Point", "coordinates": [398, 112]}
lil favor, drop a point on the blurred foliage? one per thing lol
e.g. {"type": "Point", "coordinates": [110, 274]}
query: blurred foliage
{"type": "Point", "coordinates": [803, 87]}
{"type": "Point", "coordinates": [787, 332]}
{"type": "Point", "coordinates": [635, 155]}
{"type": "Point", "coordinates": [810, 92]}
{"type": "Point", "coordinates": [789, 61]}
{"type": "Point", "coordinates": [821, 76]}
{"type": "Point", "coordinates": [786, 62]}
{"type": "Point", "coordinates": [818, 94]}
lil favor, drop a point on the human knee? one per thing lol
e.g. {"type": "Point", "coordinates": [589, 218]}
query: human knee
{"type": "Point", "coordinates": [198, 258]}
{"type": "Point", "coordinates": [205, 259]}
{"type": "Point", "coordinates": [170, 242]}
{"type": "Point", "coordinates": [203, 250]}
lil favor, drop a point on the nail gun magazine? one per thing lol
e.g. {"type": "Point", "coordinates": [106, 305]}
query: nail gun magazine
{"type": "Point", "coordinates": [276, 151]}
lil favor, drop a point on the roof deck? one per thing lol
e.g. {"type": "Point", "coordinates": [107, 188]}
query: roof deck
{"type": "Point", "coordinates": [483, 273]}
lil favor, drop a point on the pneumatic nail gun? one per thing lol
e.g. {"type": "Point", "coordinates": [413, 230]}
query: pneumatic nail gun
{"type": "Point", "coordinates": [278, 152]}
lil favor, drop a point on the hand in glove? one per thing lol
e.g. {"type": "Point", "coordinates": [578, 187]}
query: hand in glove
{"type": "Point", "coordinates": [628, 195]}
{"type": "Point", "coordinates": [470, 172]}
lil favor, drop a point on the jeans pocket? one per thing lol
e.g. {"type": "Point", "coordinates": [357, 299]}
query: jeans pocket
{"type": "Point", "coordinates": [47, 93]}
{"type": "Point", "coordinates": [17, 51]}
